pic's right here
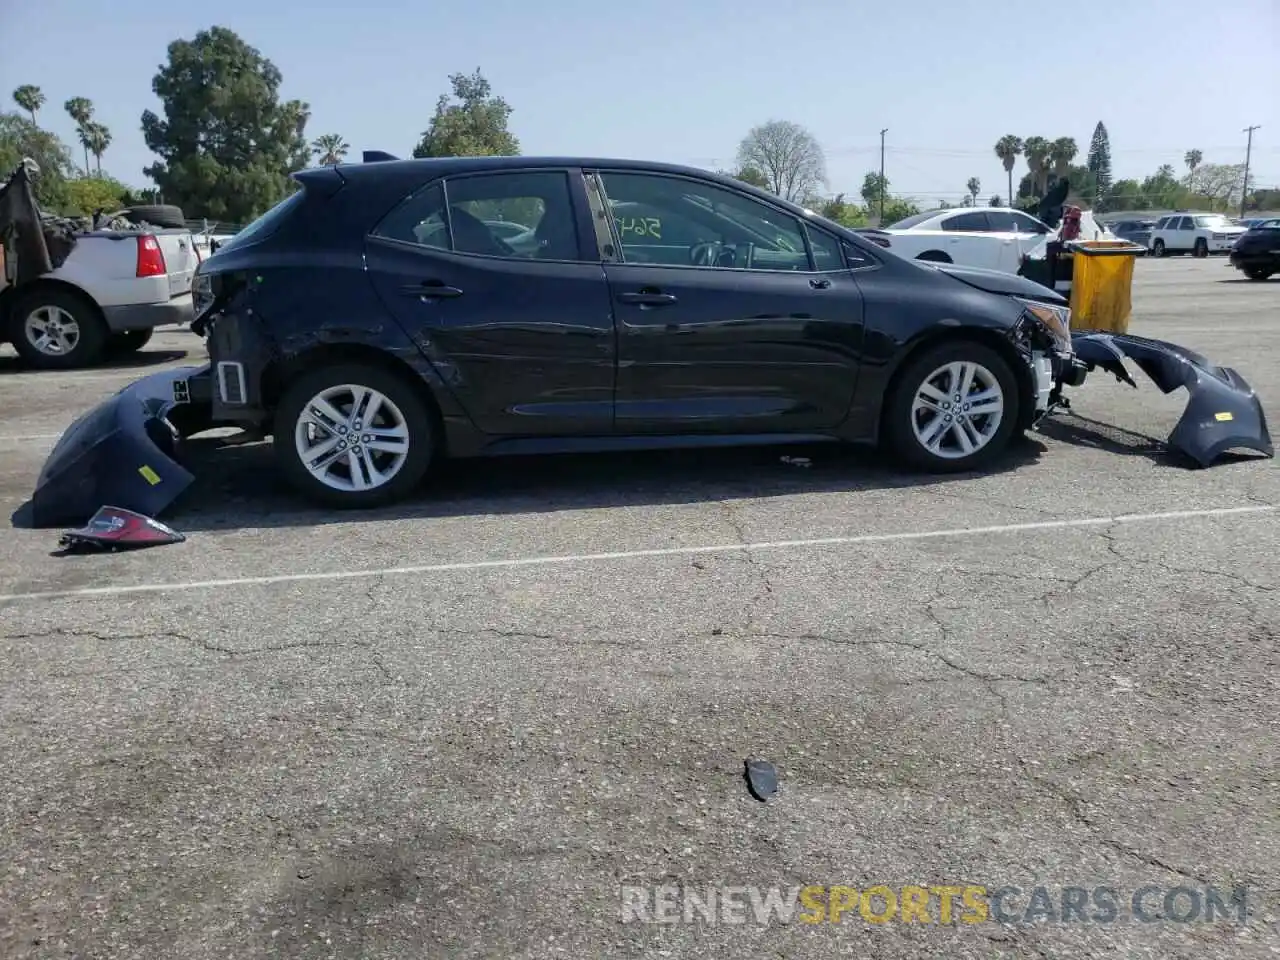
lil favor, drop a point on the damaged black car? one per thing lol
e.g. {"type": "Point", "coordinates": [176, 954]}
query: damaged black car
{"type": "Point", "coordinates": [392, 313]}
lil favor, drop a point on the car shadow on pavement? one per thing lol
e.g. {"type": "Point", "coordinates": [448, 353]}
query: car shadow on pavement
{"type": "Point", "coordinates": [1275, 279]}
{"type": "Point", "coordinates": [133, 361]}
{"type": "Point", "coordinates": [237, 486]}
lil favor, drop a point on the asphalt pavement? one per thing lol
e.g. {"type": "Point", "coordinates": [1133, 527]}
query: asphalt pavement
{"type": "Point", "coordinates": [481, 724]}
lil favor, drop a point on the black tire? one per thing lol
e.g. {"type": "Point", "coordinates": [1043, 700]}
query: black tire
{"type": "Point", "coordinates": [935, 256]}
{"type": "Point", "coordinates": [1201, 247]}
{"type": "Point", "coordinates": [91, 329]}
{"type": "Point", "coordinates": [128, 341]}
{"type": "Point", "coordinates": [397, 389]}
{"type": "Point", "coordinates": [899, 431]}
{"type": "Point", "coordinates": [1258, 273]}
{"type": "Point", "coordinates": [1157, 248]}
{"type": "Point", "coordinates": [158, 215]}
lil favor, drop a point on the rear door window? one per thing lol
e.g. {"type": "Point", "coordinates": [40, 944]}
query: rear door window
{"type": "Point", "coordinates": [967, 223]}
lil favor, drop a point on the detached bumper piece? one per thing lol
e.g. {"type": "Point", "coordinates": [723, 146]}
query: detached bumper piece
{"type": "Point", "coordinates": [124, 452]}
{"type": "Point", "coordinates": [1222, 413]}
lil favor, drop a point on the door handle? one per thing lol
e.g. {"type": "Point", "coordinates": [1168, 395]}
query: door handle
{"type": "Point", "coordinates": [820, 283]}
{"type": "Point", "coordinates": [430, 290]}
{"type": "Point", "coordinates": [647, 299]}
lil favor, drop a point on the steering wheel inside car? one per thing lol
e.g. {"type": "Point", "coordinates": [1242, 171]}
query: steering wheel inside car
{"type": "Point", "coordinates": [704, 254]}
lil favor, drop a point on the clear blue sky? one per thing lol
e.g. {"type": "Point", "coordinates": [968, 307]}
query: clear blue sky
{"type": "Point", "coordinates": [683, 80]}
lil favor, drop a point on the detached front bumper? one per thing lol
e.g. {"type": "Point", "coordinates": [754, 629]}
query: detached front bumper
{"type": "Point", "coordinates": [125, 451]}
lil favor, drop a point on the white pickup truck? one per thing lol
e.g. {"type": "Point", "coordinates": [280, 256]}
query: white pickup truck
{"type": "Point", "coordinates": [105, 299]}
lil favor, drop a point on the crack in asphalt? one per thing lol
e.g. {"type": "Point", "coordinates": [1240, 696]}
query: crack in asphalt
{"type": "Point", "coordinates": [766, 585]}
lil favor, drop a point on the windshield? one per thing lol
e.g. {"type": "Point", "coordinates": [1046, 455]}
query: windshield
{"type": "Point", "coordinates": [1216, 222]}
{"type": "Point", "coordinates": [265, 223]}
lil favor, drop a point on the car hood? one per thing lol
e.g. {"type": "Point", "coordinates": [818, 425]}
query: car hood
{"type": "Point", "coordinates": [997, 281]}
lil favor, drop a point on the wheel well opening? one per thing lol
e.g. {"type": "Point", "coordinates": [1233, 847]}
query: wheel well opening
{"type": "Point", "coordinates": [279, 374]}
{"type": "Point", "coordinates": [988, 338]}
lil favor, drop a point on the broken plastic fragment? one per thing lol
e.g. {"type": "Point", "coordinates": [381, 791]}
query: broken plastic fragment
{"type": "Point", "coordinates": [114, 528]}
{"type": "Point", "coordinates": [762, 779]}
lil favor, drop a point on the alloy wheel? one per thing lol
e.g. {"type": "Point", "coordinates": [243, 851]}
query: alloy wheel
{"type": "Point", "coordinates": [52, 331]}
{"type": "Point", "coordinates": [352, 438]}
{"type": "Point", "coordinates": [957, 410]}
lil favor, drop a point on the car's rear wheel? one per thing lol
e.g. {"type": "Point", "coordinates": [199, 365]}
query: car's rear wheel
{"type": "Point", "coordinates": [1157, 248]}
{"type": "Point", "coordinates": [353, 436]}
{"type": "Point", "coordinates": [1258, 273]}
{"type": "Point", "coordinates": [1202, 247]}
{"type": "Point", "coordinates": [57, 329]}
{"type": "Point", "coordinates": [953, 408]}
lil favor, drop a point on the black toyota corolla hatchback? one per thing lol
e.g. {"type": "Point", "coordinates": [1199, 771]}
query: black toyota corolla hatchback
{"type": "Point", "coordinates": [394, 312]}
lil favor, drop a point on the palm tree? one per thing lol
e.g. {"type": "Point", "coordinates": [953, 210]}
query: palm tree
{"type": "Point", "coordinates": [1007, 149]}
{"type": "Point", "coordinates": [1036, 150]}
{"type": "Point", "coordinates": [1192, 160]}
{"type": "Point", "coordinates": [330, 148]}
{"type": "Point", "coordinates": [974, 186]}
{"type": "Point", "coordinates": [96, 138]}
{"type": "Point", "coordinates": [81, 110]}
{"type": "Point", "coordinates": [30, 98]}
{"type": "Point", "coordinates": [1062, 151]}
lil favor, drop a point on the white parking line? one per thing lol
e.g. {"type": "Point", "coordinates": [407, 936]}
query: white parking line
{"type": "Point", "coordinates": [587, 558]}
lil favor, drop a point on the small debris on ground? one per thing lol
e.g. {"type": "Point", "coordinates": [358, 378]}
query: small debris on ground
{"type": "Point", "coordinates": [114, 528]}
{"type": "Point", "coordinates": [762, 779]}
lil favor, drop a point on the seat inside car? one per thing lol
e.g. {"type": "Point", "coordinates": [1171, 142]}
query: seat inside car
{"type": "Point", "coordinates": [470, 235]}
{"type": "Point", "coordinates": [555, 233]}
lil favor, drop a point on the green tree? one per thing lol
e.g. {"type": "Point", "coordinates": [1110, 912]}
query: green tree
{"type": "Point", "coordinates": [30, 98]}
{"type": "Point", "coordinates": [1061, 153]}
{"type": "Point", "coordinates": [85, 196]}
{"type": "Point", "coordinates": [874, 187]}
{"type": "Point", "coordinates": [1036, 150]}
{"type": "Point", "coordinates": [1127, 195]}
{"type": "Point", "coordinates": [1099, 163]}
{"type": "Point", "coordinates": [474, 126]}
{"type": "Point", "coordinates": [788, 155]}
{"type": "Point", "coordinates": [329, 149]}
{"type": "Point", "coordinates": [974, 186]}
{"type": "Point", "coordinates": [897, 208]}
{"type": "Point", "coordinates": [1008, 148]}
{"type": "Point", "coordinates": [838, 210]}
{"type": "Point", "coordinates": [1162, 191]}
{"type": "Point", "coordinates": [227, 144]}
{"type": "Point", "coordinates": [96, 138]}
{"type": "Point", "coordinates": [752, 176]}
{"type": "Point", "coordinates": [1082, 193]}
{"type": "Point", "coordinates": [81, 111]}
{"type": "Point", "coordinates": [996, 200]}
{"type": "Point", "coordinates": [1192, 158]}
{"type": "Point", "coordinates": [20, 138]}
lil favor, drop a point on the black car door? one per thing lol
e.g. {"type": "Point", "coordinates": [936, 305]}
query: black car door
{"type": "Point", "coordinates": [726, 321]}
{"type": "Point", "coordinates": [518, 322]}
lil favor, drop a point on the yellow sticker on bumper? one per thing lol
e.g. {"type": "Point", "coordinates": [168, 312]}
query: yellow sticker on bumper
{"type": "Point", "coordinates": [1223, 417]}
{"type": "Point", "coordinates": [149, 475]}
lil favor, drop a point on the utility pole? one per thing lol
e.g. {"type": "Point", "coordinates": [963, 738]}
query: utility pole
{"type": "Point", "coordinates": [1248, 153]}
{"type": "Point", "coordinates": [882, 133]}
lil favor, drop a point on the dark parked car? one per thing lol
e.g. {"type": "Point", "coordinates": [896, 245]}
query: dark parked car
{"type": "Point", "coordinates": [375, 321]}
{"type": "Point", "coordinates": [1135, 231]}
{"type": "Point", "coordinates": [1257, 253]}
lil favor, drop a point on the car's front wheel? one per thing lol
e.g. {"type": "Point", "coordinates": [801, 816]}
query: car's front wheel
{"type": "Point", "coordinates": [1202, 247]}
{"type": "Point", "coordinates": [353, 436]}
{"type": "Point", "coordinates": [1258, 273]}
{"type": "Point", "coordinates": [953, 408]}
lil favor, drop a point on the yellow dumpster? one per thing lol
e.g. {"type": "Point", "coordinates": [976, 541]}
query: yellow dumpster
{"type": "Point", "coordinates": [1102, 284]}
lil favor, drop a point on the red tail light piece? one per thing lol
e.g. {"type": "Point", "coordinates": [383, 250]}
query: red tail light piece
{"type": "Point", "coordinates": [150, 257]}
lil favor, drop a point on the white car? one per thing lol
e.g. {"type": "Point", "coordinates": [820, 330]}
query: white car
{"type": "Point", "coordinates": [113, 289]}
{"type": "Point", "coordinates": [995, 238]}
{"type": "Point", "coordinates": [1197, 233]}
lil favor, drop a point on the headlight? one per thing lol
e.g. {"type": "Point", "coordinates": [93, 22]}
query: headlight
{"type": "Point", "coordinates": [1055, 320]}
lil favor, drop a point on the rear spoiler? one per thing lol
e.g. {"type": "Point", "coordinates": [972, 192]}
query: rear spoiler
{"type": "Point", "coordinates": [376, 156]}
